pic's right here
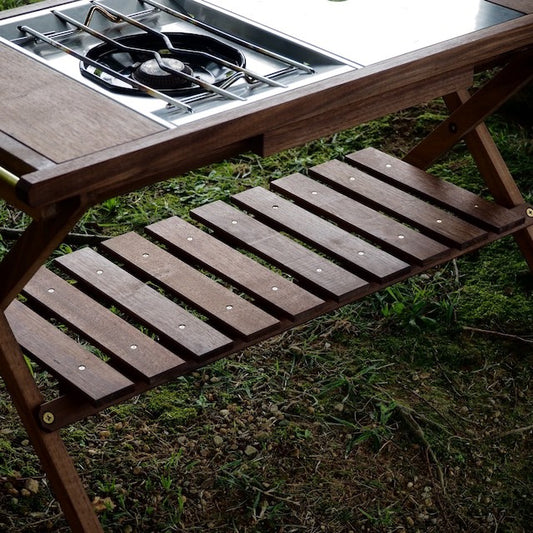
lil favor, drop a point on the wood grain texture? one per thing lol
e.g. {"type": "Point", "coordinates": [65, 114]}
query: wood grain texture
{"type": "Point", "coordinates": [30, 7]}
{"type": "Point", "coordinates": [470, 206]}
{"type": "Point", "coordinates": [243, 272]}
{"type": "Point", "coordinates": [399, 239]}
{"type": "Point", "coordinates": [309, 268]}
{"type": "Point", "coordinates": [145, 304]}
{"type": "Point", "coordinates": [59, 117]}
{"type": "Point", "coordinates": [135, 352]}
{"type": "Point", "coordinates": [65, 358]}
{"type": "Point", "coordinates": [212, 299]}
{"type": "Point", "coordinates": [428, 219]}
{"type": "Point", "coordinates": [367, 106]}
{"type": "Point", "coordinates": [524, 6]}
{"type": "Point", "coordinates": [19, 158]}
{"type": "Point", "coordinates": [367, 260]}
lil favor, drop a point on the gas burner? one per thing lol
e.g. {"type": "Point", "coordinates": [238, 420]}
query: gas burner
{"type": "Point", "coordinates": [180, 72]}
{"type": "Point", "coordinates": [165, 74]}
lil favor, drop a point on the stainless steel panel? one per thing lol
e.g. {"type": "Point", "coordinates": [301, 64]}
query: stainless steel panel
{"type": "Point", "coordinates": [368, 31]}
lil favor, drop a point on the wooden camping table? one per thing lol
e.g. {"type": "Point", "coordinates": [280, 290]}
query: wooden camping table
{"type": "Point", "coordinates": [68, 162]}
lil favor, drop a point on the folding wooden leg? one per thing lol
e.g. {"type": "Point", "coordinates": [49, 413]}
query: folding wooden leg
{"type": "Point", "coordinates": [472, 112]}
{"type": "Point", "coordinates": [495, 172]}
{"type": "Point", "coordinates": [55, 460]}
{"type": "Point", "coordinates": [466, 122]}
{"type": "Point", "coordinates": [28, 254]}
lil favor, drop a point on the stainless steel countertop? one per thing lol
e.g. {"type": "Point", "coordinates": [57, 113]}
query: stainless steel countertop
{"type": "Point", "coordinates": [368, 31]}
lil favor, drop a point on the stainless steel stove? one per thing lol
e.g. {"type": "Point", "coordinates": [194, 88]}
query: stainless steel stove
{"type": "Point", "coordinates": [173, 61]}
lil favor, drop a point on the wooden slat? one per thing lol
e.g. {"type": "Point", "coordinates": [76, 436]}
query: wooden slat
{"type": "Point", "coordinates": [144, 303]}
{"type": "Point", "coordinates": [191, 286]}
{"type": "Point", "coordinates": [430, 220]}
{"type": "Point", "coordinates": [393, 236]}
{"type": "Point", "coordinates": [470, 206]}
{"type": "Point", "coordinates": [367, 260]}
{"type": "Point", "coordinates": [307, 266]}
{"type": "Point", "coordinates": [107, 331]}
{"type": "Point", "coordinates": [249, 276]}
{"type": "Point", "coordinates": [64, 357]}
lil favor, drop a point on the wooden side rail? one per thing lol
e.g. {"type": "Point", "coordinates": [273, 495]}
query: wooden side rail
{"type": "Point", "coordinates": [112, 323]}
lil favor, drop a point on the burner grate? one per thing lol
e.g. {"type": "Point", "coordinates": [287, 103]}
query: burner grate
{"type": "Point", "coordinates": [133, 56]}
{"type": "Point", "coordinates": [176, 67]}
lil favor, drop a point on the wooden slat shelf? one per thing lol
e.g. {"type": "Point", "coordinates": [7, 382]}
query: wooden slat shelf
{"type": "Point", "coordinates": [107, 331]}
{"type": "Point", "coordinates": [160, 305]}
{"type": "Point", "coordinates": [466, 204]}
{"type": "Point", "coordinates": [429, 219]}
{"type": "Point", "coordinates": [64, 358]}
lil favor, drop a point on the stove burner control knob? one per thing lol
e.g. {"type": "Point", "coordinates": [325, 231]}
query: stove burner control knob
{"type": "Point", "coordinates": [151, 74]}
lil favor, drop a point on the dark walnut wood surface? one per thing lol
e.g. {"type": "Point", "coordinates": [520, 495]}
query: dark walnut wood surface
{"type": "Point", "coordinates": [58, 117]}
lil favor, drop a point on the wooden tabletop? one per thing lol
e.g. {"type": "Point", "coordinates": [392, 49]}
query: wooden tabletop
{"type": "Point", "coordinates": [88, 144]}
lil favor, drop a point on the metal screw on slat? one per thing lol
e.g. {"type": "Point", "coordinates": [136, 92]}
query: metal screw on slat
{"type": "Point", "coordinates": [529, 212]}
{"type": "Point", "coordinates": [48, 417]}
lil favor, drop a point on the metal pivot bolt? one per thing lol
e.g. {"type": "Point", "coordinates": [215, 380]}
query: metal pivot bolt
{"type": "Point", "coordinates": [48, 417]}
{"type": "Point", "coordinates": [529, 212]}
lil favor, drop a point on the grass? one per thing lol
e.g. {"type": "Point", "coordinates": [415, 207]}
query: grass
{"type": "Point", "coordinates": [408, 411]}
